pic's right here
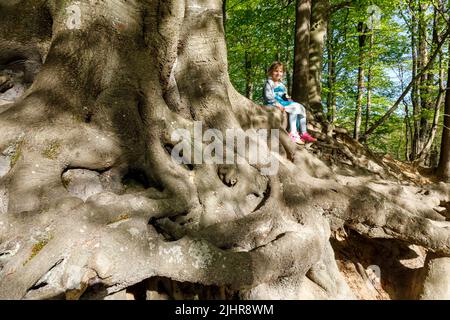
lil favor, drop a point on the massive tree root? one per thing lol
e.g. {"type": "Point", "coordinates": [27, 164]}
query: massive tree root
{"type": "Point", "coordinates": [89, 193]}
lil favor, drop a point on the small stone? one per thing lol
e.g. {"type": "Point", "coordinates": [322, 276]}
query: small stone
{"type": "Point", "coordinates": [82, 183]}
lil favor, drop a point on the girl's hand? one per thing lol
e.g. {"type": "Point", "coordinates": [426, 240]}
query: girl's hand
{"type": "Point", "coordinates": [279, 106]}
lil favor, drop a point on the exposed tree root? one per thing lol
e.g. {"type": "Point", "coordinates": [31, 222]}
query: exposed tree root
{"type": "Point", "coordinates": [90, 196]}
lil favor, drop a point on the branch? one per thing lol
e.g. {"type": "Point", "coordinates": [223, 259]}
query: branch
{"type": "Point", "coordinates": [341, 5]}
{"type": "Point", "coordinates": [405, 92]}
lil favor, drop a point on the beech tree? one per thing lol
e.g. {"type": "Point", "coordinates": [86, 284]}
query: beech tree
{"type": "Point", "coordinates": [93, 204]}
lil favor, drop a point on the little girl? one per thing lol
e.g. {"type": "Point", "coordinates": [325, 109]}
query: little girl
{"type": "Point", "coordinates": [275, 94]}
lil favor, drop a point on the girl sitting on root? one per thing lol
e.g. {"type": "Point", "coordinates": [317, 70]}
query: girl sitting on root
{"type": "Point", "coordinates": [275, 94]}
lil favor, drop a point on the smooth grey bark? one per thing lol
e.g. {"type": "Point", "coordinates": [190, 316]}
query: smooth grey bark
{"type": "Point", "coordinates": [369, 80]}
{"type": "Point", "coordinates": [331, 79]}
{"type": "Point", "coordinates": [437, 111]}
{"type": "Point", "coordinates": [89, 193]}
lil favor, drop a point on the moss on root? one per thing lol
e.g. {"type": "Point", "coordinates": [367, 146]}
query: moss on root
{"type": "Point", "coordinates": [52, 150]}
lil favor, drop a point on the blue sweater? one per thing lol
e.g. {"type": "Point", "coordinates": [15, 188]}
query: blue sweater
{"type": "Point", "coordinates": [273, 94]}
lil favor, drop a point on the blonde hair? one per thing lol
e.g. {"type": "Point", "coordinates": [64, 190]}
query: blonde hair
{"type": "Point", "coordinates": [274, 66]}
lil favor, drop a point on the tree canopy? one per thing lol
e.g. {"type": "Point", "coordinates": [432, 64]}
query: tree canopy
{"type": "Point", "coordinates": [389, 41]}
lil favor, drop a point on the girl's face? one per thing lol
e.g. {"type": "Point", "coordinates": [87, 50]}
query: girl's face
{"type": "Point", "coordinates": [277, 74]}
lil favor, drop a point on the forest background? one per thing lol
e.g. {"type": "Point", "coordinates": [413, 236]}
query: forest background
{"type": "Point", "coordinates": [371, 52]}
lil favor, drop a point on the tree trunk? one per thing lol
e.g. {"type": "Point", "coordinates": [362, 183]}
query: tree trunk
{"type": "Point", "coordinates": [369, 81]}
{"type": "Point", "coordinates": [301, 51]}
{"type": "Point", "coordinates": [249, 84]}
{"type": "Point", "coordinates": [319, 21]}
{"type": "Point", "coordinates": [428, 104]}
{"type": "Point", "coordinates": [288, 46]}
{"type": "Point", "coordinates": [362, 29]}
{"type": "Point", "coordinates": [423, 80]}
{"type": "Point", "coordinates": [443, 170]}
{"type": "Point", "coordinates": [224, 14]}
{"type": "Point", "coordinates": [92, 201]}
{"type": "Point", "coordinates": [437, 108]}
{"type": "Point", "coordinates": [409, 86]}
{"type": "Point", "coordinates": [415, 92]}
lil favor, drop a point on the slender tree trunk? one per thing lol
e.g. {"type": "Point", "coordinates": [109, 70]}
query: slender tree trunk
{"type": "Point", "coordinates": [115, 83]}
{"type": "Point", "coordinates": [301, 51]}
{"type": "Point", "coordinates": [429, 143]}
{"type": "Point", "coordinates": [249, 83]}
{"type": "Point", "coordinates": [408, 87]}
{"type": "Point", "coordinates": [360, 83]}
{"type": "Point", "coordinates": [428, 104]}
{"type": "Point", "coordinates": [331, 79]}
{"type": "Point", "coordinates": [443, 170]}
{"type": "Point", "coordinates": [224, 14]}
{"type": "Point", "coordinates": [408, 131]}
{"type": "Point", "coordinates": [288, 58]}
{"type": "Point", "coordinates": [415, 96]}
{"type": "Point", "coordinates": [408, 127]}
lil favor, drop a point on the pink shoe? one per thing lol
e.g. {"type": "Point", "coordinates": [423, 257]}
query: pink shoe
{"type": "Point", "coordinates": [296, 138]}
{"type": "Point", "coordinates": [307, 138]}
